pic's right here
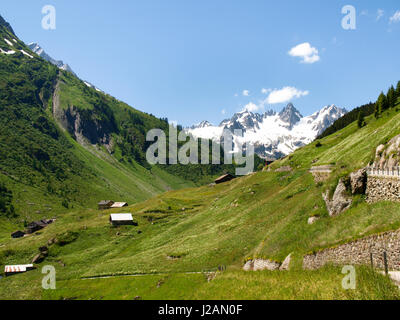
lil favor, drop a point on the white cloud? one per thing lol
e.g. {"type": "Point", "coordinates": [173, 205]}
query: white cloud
{"type": "Point", "coordinates": [285, 94]}
{"type": "Point", "coordinates": [246, 93]}
{"type": "Point", "coordinates": [305, 51]}
{"type": "Point", "coordinates": [395, 18]}
{"type": "Point", "coordinates": [379, 14]}
{"type": "Point", "coordinates": [265, 91]}
{"type": "Point", "coordinates": [252, 107]}
{"type": "Point", "coordinates": [223, 111]}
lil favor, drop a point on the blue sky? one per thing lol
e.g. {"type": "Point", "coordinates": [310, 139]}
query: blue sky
{"type": "Point", "coordinates": [192, 60]}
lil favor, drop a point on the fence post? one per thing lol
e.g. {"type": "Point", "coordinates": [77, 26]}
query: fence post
{"type": "Point", "coordinates": [372, 261]}
{"type": "Point", "coordinates": [386, 263]}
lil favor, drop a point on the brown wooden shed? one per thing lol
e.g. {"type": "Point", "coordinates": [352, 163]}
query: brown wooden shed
{"type": "Point", "coordinates": [105, 204]}
{"type": "Point", "coordinates": [224, 178]}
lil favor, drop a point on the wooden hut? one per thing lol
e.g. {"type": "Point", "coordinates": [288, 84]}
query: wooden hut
{"type": "Point", "coordinates": [105, 204]}
{"type": "Point", "coordinates": [36, 226]}
{"type": "Point", "coordinates": [10, 270]}
{"type": "Point", "coordinates": [121, 219]}
{"type": "Point", "coordinates": [224, 178]}
{"type": "Point", "coordinates": [119, 205]}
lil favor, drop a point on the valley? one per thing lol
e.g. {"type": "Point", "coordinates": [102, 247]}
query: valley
{"type": "Point", "coordinates": [66, 145]}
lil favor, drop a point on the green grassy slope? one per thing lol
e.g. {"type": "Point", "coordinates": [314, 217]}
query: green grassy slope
{"type": "Point", "coordinates": [192, 230]}
{"type": "Point", "coordinates": [64, 145]}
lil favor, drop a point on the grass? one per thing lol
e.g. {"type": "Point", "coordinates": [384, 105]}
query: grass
{"type": "Point", "coordinates": [195, 229]}
{"type": "Point", "coordinates": [263, 215]}
{"type": "Point", "coordinates": [324, 284]}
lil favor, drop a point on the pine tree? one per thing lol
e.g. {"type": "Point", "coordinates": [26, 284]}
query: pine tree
{"type": "Point", "coordinates": [380, 105]}
{"type": "Point", "coordinates": [360, 121]}
{"type": "Point", "coordinates": [391, 97]}
{"type": "Point", "coordinates": [398, 91]}
{"type": "Point", "coordinates": [385, 103]}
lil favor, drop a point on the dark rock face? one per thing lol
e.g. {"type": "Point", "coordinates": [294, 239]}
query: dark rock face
{"type": "Point", "coordinates": [243, 120]}
{"type": "Point", "coordinates": [358, 181]}
{"type": "Point", "coordinates": [85, 125]}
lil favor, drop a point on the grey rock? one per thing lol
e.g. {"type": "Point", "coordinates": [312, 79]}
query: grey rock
{"type": "Point", "coordinates": [340, 201]}
{"type": "Point", "coordinates": [358, 181]}
{"type": "Point", "coordinates": [312, 220]}
{"type": "Point", "coordinates": [286, 263]}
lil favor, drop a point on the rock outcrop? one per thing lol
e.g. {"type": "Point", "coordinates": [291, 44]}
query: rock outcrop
{"type": "Point", "coordinates": [41, 256]}
{"type": "Point", "coordinates": [358, 181]}
{"type": "Point", "coordinates": [286, 263]}
{"type": "Point", "coordinates": [260, 265]}
{"type": "Point", "coordinates": [388, 156]}
{"type": "Point", "coordinates": [93, 126]}
{"type": "Point", "coordinates": [312, 220]}
{"type": "Point", "coordinates": [340, 201]}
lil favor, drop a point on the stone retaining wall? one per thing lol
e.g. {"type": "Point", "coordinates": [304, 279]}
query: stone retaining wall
{"type": "Point", "coordinates": [383, 189]}
{"type": "Point", "coordinates": [358, 253]}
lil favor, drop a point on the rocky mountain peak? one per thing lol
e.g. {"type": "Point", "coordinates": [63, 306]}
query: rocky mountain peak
{"type": "Point", "coordinates": [36, 48]}
{"type": "Point", "coordinates": [274, 135]}
{"type": "Point", "coordinates": [290, 115]}
{"type": "Point", "coordinates": [203, 124]}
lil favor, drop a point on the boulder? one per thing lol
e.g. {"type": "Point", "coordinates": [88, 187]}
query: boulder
{"type": "Point", "coordinates": [340, 201]}
{"type": "Point", "coordinates": [260, 264]}
{"type": "Point", "coordinates": [312, 220]}
{"type": "Point", "coordinates": [286, 263]}
{"type": "Point", "coordinates": [38, 258]}
{"type": "Point", "coordinates": [43, 249]}
{"type": "Point", "coordinates": [248, 266]}
{"type": "Point", "coordinates": [358, 181]}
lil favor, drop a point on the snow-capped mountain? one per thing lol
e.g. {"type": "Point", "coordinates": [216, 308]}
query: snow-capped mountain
{"type": "Point", "coordinates": [60, 64]}
{"type": "Point", "coordinates": [273, 135]}
{"type": "Point", "coordinates": [40, 52]}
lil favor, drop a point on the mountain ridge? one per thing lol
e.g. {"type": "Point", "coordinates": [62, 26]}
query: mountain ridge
{"type": "Point", "coordinates": [274, 134]}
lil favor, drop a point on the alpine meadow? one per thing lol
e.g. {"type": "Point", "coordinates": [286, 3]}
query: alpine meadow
{"type": "Point", "coordinates": [79, 196]}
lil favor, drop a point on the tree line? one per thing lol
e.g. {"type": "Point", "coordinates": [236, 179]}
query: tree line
{"type": "Point", "coordinates": [384, 102]}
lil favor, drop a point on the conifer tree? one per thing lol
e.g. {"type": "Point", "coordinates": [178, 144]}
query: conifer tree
{"type": "Point", "coordinates": [360, 120]}
{"type": "Point", "coordinates": [391, 97]}
{"type": "Point", "coordinates": [380, 105]}
{"type": "Point", "coordinates": [398, 91]}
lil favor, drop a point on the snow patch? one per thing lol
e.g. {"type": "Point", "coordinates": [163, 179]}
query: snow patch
{"type": "Point", "coordinates": [8, 42]}
{"type": "Point", "coordinates": [27, 54]}
{"type": "Point", "coordinates": [273, 135]}
{"type": "Point", "coordinates": [7, 52]}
